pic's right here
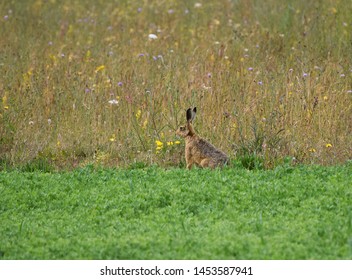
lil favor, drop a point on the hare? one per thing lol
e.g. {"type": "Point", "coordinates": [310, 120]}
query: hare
{"type": "Point", "coordinates": [198, 151]}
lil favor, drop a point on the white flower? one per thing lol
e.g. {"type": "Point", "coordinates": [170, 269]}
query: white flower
{"type": "Point", "coordinates": [197, 5]}
{"type": "Point", "coordinates": [113, 102]}
{"type": "Point", "coordinates": [152, 37]}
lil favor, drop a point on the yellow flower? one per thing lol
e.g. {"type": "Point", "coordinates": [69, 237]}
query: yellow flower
{"type": "Point", "coordinates": [170, 143]}
{"type": "Point", "coordinates": [325, 98]}
{"type": "Point", "coordinates": [328, 145]}
{"type": "Point", "coordinates": [312, 150]}
{"type": "Point", "coordinates": [99, 68]}
{"type": "Point", "coordinates": [159, 143]}
{"type": "Point", "coordinates": [177, 142]}
{"type": "Point", "coordinates": [112, 138]}
{"type": "Point", "coordinates": [138, 114]}
{"type": "Point", "coordinates": [145, 123]}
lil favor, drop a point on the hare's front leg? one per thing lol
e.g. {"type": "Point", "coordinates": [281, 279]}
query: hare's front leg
{"type": "Point", "coordinates": [189, 159]}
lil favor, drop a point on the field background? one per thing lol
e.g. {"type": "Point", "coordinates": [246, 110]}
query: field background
{"type": "Point", "coordinates": [82, 83]}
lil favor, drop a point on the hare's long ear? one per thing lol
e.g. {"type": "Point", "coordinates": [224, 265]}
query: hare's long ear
{"type": "Point", "coordinates": [194, 113]}
{"type": "Point", "coordinates": [189, 115]}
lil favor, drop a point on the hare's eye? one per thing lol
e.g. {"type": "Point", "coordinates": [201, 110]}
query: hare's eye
{"type": "Point", "coordinates": [182, 128]}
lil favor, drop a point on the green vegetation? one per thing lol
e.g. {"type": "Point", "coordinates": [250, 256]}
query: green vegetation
{"type": "Point", "coordinates": [81, 83]}
{"type": "Point", "coordinates": [302, 212]}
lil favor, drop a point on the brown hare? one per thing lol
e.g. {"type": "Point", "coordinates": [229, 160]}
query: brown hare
{"type": "Point", "coordinates": [198, 151]}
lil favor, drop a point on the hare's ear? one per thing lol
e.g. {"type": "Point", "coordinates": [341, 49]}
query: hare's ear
{"type": "Point", "coordinates": [194, 113]}
{"type": "Point", "coordinates": [191, 114]}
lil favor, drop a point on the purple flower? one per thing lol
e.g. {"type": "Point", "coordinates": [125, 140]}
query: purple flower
{"type": "Point", "coordinates": [110, 53]}
{"type": "Point", "coordinates": [154, 57]}
{"type": "Point", "coordinates": [305, 74]}
{"type": "Point", "coordinates": [342, 75]}
{"type": "Point", "coordinates": [260, 83]}
{"type": "Point", "coordinates": [349, 91]}
{"type": "Point", "coordinates": [250, 69]}
{"type": "Point", "coordinates": [139, 10]}
{"type": "Point", "coordinates": [6, 17]}
{"type": "Point", "coordinates": [209, 75]}
{"type": "Point", "coordinates": [141, 55]}
{"type": "Point", "coordinates": [120, 84]}
{"type": "Point", "coordinates": [87, 90]}
{"type": "Point", "coordinates": [170, 11]}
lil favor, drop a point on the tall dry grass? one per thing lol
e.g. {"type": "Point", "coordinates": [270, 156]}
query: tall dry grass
{"type": "Point", "coordinates": [81, 82]}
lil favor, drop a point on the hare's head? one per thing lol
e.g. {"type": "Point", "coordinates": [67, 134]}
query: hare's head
{"type": "Point", "coordinates": [187, 130]}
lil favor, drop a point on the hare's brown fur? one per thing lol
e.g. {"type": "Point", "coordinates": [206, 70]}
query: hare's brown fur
{"type": "Point", "coordinates": [199, 151]}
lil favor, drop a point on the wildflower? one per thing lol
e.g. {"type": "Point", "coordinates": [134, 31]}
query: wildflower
{"type": "Point", "coordinates": [342, 75]}
{"type": "Point", "coordinates": [99, 68]}
{"type": "Point", "coordinates": [290, 70]}
{"type": "Point", "coordinates": [250, 69]}
{"type": "Point", "coordinates": [87, 90]}
{"type": "Point", "coordinates": [209, 75]}
{"type": "Point", "coordinates": [260, 83]}
{"type": "Point", "coordinates": [138, 114]}
{"type": "Point", "coordinates": [325, 98]}
{"type": "Point", "coordinates": [6, 17]}
{"type": "Point", "coordinates": [113, 102]}
{"type": "Point", "coordinates": [50, 43]}
{"type": "Point", "coordinates": [31, 122]}
{"type": "Point", "coordinates": [141, 55]}
{"type": "Point", "coordinates": [328, 145]}
{"type": "Point", "coordinates": [139, 10]}
{"type": "Point", "coordinates": [170, 11]}
{"type": "Point", "coordinates": [152, 37]}
{"type": "Point", "coordinates": [177, 142]}
{"type": "Point", "coordinates": [170, 143]}
{"type": "Point", "coordinates": [112, 138]}
{"type": "Point", "coordinates": [159, 143]}
{"type": "Point", "coordinates": [312, 150]}
{"type": "Point", "coordinates": [120, 84]}
{"type": "Point", "coordinates": [49, 121]}
{"type": "Point", "coordinates": [145, 123]}
{"type": "Point", "coordinates": [349, 91]}
{"type": "Point", "coordinates": [197, 5]}
{"type": "Point", "coordinates": [305, 75]}
{"type": "Point", "coordinates": [333, 10]}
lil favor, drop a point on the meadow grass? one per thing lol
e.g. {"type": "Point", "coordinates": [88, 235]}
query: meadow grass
{"type": "Point", "coordinates": [82, 83]}
{"type": "Point", "coordinates": [301, 212]}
